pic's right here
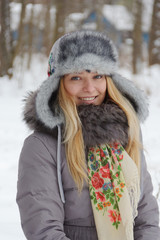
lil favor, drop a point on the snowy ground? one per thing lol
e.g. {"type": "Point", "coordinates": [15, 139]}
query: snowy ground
{"type": "Point", "coordinates": [13, 132]}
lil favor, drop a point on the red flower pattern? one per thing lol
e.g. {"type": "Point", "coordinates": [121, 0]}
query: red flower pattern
{"type": "Point", "coordinates": [106, 200]}
{"type": "Point", "coordinates": [105, 171]}
{"type": "Point", "coordinates": [102, 154]}
{"type": "Point", "coordinates": [113, 216]}
{"type": "Point", "coordinates": [97, 182]}
{"type": "Point", "coordinates": [121, 156]}
{"type": "Point", "coordinates": [101, 196]}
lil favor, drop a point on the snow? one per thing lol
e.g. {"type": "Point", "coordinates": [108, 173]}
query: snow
{"type": "Point", "coordinates": [39, 10]}
{"type": "Point", "coordinates": [15, 9]}
{"type": "Point", "coordinates": [76, 16]}
{"type": "Point", "coordinates": [114, 14]}
{"type": "Point", "coordinates": [73, 21]}
{"type": "Point", "coordinates": [13, 132]}
{"type": "Point", "coordinates": [149, 82]}
{"type": "Point", "coordinates": [147, 14]}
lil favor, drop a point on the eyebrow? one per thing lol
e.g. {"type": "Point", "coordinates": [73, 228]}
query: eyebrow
{"type": "Point", "coordinates": [80, 73]}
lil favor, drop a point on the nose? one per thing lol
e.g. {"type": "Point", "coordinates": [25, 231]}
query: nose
{"type": "Point", "coordinates": [88, 85]}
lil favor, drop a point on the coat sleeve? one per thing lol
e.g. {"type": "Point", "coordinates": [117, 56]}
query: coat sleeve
{"type": "Point", "coordinates": [38, 198]}
{"type": "Point", "coordinates": [147, 222]}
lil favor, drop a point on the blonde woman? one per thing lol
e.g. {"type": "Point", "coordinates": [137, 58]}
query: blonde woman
{"type": "Point", "coordinates": [82, 173]}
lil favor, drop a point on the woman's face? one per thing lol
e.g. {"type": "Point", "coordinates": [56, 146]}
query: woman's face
{"type": "Point", "coordinates": [86, 87]}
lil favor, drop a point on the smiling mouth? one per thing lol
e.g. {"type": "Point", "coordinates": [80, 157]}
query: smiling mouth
{"type": "Point", "coordinates": [88, 98]}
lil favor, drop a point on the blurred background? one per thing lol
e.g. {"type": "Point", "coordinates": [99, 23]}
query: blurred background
{"type": "Point", "coordinates": [32, 26]}
{"type": "Point", "coordinates": [28, 30]}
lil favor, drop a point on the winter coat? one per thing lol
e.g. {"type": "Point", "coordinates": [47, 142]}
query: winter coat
{"type": "Point", "coordinates": [50, 205]}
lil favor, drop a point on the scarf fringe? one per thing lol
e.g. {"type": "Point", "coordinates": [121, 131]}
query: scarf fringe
{"type": "Point", "coordinates": [134, 194]}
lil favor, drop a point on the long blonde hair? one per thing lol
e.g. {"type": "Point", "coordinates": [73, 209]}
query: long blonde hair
{"type": "Point", "coordinates": [73, 138]}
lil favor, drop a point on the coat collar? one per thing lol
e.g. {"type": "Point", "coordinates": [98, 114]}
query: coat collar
{"type": "Point", "coordinates": [105, 123]}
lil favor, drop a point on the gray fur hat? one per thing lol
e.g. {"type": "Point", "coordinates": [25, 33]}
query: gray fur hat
{"type": "Point", "coordinates": [75, 52]}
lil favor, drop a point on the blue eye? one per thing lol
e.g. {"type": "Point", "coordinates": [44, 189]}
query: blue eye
{"type": "Point", "coordinates": [75, 78]}
{"type": "Point", "coordinates": [98, 76]}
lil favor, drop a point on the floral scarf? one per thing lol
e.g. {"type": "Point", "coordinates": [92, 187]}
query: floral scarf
{"type": "Point", "coordinates": [114, 191]}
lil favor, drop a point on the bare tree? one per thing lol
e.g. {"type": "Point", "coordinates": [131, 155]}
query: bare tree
{"type": "Point", "coordinates": [48, 27]}
{"type": "Point", "coordinates": [30, 35]}
{"type": "Point", "coordinates": [137, 37]}
{"type": "Point", "coordinates": [5, 38]}
{"type": "Point", "coordinates": [98, 8]}
{"type": "Point", "coordinates": [154, 43]}
{"type": "Point", "coordinates": [19, 45]}
{"type": "Point", "coordinates": [59, 19]}
{"type": "Point", "coordinates": [64, 9]}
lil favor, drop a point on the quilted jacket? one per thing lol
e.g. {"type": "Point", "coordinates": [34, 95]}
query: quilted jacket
{"type": "Point", "coordinates": [50, 206]}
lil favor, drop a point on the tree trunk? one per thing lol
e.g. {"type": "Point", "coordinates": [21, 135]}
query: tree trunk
{"type": "Point", "coordinates": [5, 38]}
{"type": "Point", "coordinates": [30, 36]}
{"type": "Point", "coordinates": [137, 37]}
{"type": "Point", "coordinates": [59, 19]}
{"type": "Point", "coordinates": [99, 6]}
{"type": "Point", "coordinates": [19, 46]}
{"type": "Point", "coordinates": [47, 30]}
{"type": "Point", "coordinates": [154, 43]}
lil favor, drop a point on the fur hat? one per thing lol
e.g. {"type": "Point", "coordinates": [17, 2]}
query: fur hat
{"type": "Point", "coordinates": [78, 51]}
{"type": "Point", "coordinates": [75, 52]}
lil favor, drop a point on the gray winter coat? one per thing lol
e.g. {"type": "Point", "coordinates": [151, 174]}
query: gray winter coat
{"type": "Point", "coordinates": [50, 206]}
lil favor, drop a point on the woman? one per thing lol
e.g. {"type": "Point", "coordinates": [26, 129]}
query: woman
{"type": "Point", "coordinates": [82, 173]}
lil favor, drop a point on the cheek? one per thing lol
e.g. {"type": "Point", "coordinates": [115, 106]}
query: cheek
{"type": "Point", "coordinates": [102, 91]}
{"type": "Point", "coordinates": [103, 87]}
{"type": "Point", "coordinates": [70, 88]}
